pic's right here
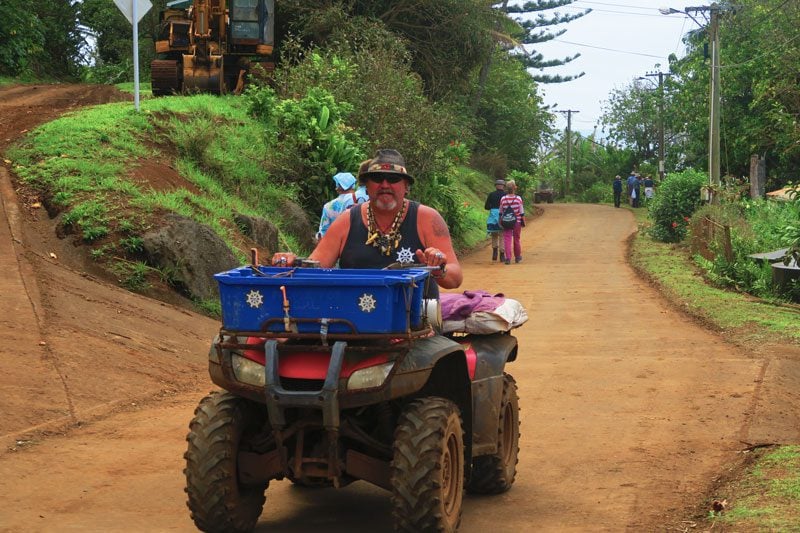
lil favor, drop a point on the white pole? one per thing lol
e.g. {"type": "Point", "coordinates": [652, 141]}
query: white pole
{"type": "Point", "coordinates": [135, 18]}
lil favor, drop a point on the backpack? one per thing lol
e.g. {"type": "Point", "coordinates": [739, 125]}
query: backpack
{"type": "Point", "coordinates": [508, 219]}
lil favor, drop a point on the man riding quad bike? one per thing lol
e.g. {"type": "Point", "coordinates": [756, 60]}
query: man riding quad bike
{"type": "Point", "coordinates": [335, 375]}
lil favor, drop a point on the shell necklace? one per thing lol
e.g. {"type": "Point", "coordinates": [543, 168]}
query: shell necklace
{"type": "Point", "coordinates": [386, 241]}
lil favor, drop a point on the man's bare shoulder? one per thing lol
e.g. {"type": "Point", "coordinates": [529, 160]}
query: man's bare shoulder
{"type": "Point", "coordinates": [430, 218]}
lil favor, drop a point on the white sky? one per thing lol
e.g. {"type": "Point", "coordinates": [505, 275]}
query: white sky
{"type": "Point", "coordinates": [619, 40]}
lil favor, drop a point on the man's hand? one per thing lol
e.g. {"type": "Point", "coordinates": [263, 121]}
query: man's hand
{"type": "Point", "coordinates": [431, 257]}
{"type": "Point", "coordinates": [283, 259]}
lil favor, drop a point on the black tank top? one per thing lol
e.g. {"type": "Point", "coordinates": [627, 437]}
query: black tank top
{"type": "Point", "coordinates": [356, 254]}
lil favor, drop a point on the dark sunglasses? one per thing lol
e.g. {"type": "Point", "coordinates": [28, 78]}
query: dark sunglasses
{"type": "Point", "coordinates": [380, 178]}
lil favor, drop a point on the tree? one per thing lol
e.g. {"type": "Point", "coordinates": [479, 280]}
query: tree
{"type": "Point", "coordinates": [446, 39]}
{"type": "Point", "coordinates": [39, 37]}
{"type": "Point", "coordinates": [112, 35]}
{"type": "Point", "coordinates": [535, 30]}
{"type": "Point", "coordinates": [630, 118]}
{"type": "Point", "coordinates": [21, 33]}
{"type": "Point", "coordinates": [511, 117]}
{"type": "Point", "coordinates": [760, 55]}
{"type": "Point", "coordinates": [514, 30]}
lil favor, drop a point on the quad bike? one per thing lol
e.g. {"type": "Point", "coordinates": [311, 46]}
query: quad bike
{"type": "Point", "coordinates": [324, 386]}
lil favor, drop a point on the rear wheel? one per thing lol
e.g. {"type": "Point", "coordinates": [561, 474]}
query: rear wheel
{"type": "Point", "coordinates": [493, 474]}
{"type": "Point", "coordinates": [165, 77]}
{"type": "Point", "coordinates": [428, 467]}
{"type": "Point", "coordinates": [218, 502]}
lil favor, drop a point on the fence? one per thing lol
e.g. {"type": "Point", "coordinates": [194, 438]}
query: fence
{"type": "Point", "coordinates": [709, 236]}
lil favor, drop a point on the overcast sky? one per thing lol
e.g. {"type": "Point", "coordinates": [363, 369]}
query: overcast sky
{"type": "Point", "coordinates": [619, 41]}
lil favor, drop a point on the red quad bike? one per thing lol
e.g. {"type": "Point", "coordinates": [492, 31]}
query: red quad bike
{"type": "Point", "coordinates": [336, 375]}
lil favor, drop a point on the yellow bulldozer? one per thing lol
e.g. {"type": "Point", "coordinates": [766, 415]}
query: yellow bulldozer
{"type": "Point", "coordinates": [210, 45]}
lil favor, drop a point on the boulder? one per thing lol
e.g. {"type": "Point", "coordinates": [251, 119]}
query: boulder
{"type": "Point", "coordinates": [192, 252]}
{"type": "Point", "coordinates": [296, 222]}
{"type": "Point", "coordinates": [260, 230]}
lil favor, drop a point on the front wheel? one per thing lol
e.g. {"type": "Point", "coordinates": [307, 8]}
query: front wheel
{"type": "Point", "coordinates": [222, 423]}
{"type": "Point", "coordinates": [493, 474]}
{"type": "Point", "coordinates": [428, 467]}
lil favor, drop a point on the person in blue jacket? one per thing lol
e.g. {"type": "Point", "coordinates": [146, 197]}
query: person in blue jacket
{"type": "Point", "coordinates": [493, 220]}
{"type": "Point", "coordinates": [617, 186]}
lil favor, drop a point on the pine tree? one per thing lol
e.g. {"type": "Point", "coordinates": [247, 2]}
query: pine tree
{"type": "Point", "coordinates": [535, 30]}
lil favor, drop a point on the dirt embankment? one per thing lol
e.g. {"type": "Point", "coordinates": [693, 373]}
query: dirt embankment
{"type": "Point", "coordinates": [629, 409]}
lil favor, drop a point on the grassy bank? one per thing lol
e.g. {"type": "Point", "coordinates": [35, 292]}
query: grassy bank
{"type": "Point", "coordinates": [764, 495]}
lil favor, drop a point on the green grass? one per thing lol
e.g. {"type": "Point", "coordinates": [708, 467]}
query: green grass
{"type": "Point", "coordinates": [742, 317]}
{"type": "Point", "coordinates": [144, 88]}
{"type": "Point", "coordinates": [473, 187]}
{"type": "Point", "coordinates": [82, 160]}
{"type": "Point", "coordinates": [25, 79]}
{"type": "Point", "coordinates": [767, 497]}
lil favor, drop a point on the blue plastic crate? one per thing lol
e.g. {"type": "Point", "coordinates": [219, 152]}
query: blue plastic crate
{"type": "Point", "coordinates": [374, 301]}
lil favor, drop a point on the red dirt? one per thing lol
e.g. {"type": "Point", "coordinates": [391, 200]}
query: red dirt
{"type": "Point", "coordinates": [630, 410]}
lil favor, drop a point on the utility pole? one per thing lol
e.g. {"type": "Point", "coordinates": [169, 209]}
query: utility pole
{"type": "Point", "coordinates": [713, 142]}
{"type": "Point", "coordinates": [569, 113]}
{"type": "Point", "coordinates": [714, 91]}
{"type": "Point", "coordinates": [661, 170]}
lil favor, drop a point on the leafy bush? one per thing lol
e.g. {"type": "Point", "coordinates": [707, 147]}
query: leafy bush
{"type": "Point", "coordinates": [308, 140]}
{"type": "Point", "coordinates": [676, 201]}
{"type": "Point", "coordinates": [756, 226]}
{"type": "Point", "coordinates": [373, 74]}
{"type": "Point", "coordinates": [22, 37]}
{"type": "Point", "coordinates": [108, 73]}
{"type": "Point", "coordinates": [457, 153]}
{"type": "Point", "coordinates": [597, 193]}
{"type": "Point", "coordinates": [525, 182]}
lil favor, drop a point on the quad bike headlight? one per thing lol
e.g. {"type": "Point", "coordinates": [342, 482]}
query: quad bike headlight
{"type": "Point", "coordinates": [213, 354]}
{"type": "Point", "coordinates": [369, 377]}
{"type": "Point", "coordinates": [248, 371]}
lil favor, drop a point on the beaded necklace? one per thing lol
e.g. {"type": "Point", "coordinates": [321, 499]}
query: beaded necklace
{"type": "Point", "coordinates": [386, 241]}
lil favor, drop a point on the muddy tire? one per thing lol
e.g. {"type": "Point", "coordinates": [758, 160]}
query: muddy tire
{"type": "Point", "coordinates": [428, 467]}
{"type": "Point", "coordinates": [494, 474]}
{"type": "Point", "coordinates": [216, 500]}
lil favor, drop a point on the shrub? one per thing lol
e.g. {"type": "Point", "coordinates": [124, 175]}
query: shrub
{"type": "Point", "coordinates": [525, 182]}
{"type": "Point", "coordinates": [790, 232]}
{"type": "Point", "coordinates": [308, 140]}
{"type": "Point", "coordinates": [599, 192]}
{"type": "Point", "coordinates": [457, 153]}
{"type": "Point", "coordinates": [676, 201]}
{"type": "Point", "coordinates": [755, 226]}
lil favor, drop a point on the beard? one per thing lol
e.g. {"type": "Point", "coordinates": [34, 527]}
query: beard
{"type": "Point", "coordinates": [386, 202]}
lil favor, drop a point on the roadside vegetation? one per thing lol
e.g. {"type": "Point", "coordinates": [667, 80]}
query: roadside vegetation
{"type": "Point", "coordinates": [763, 493]}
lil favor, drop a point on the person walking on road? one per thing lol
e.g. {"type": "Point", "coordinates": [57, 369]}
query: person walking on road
{"type": "Point", "coordinates": [649, 189]}
{"type": "Point", "coordinates": [617, 186]}
{"type": "Point", "coordinates": [511, 201]}
{"type": "Point", "coordinates": [493, 220]}
{"type": "Point", "coordinates": [632, 182]}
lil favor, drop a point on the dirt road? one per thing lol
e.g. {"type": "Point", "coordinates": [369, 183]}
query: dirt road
{"type": "Point", "coordinates": [629, 410]}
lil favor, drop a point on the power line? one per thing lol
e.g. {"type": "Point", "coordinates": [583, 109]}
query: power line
{"type": "Point", "coordinates": [609, 49]}
{"type": "Point", "coordinates": [612, 5]}
{"type": "Point", "coordinates": [595, 10]}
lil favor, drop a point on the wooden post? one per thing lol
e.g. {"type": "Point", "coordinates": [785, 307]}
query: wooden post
{"type": "Point", "coordinates": [758, 176]}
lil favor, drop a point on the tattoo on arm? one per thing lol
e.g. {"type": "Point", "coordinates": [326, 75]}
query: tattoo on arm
{"type": "Point", "coordinates": [439, 227]}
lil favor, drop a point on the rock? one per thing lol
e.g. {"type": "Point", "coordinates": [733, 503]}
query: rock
{"type": "Point", "coordinates": [191, 252]}
{"type": "Point", "coordinates": [260, 230]}
{"type": "Point", "coordinates": [295, 222]}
